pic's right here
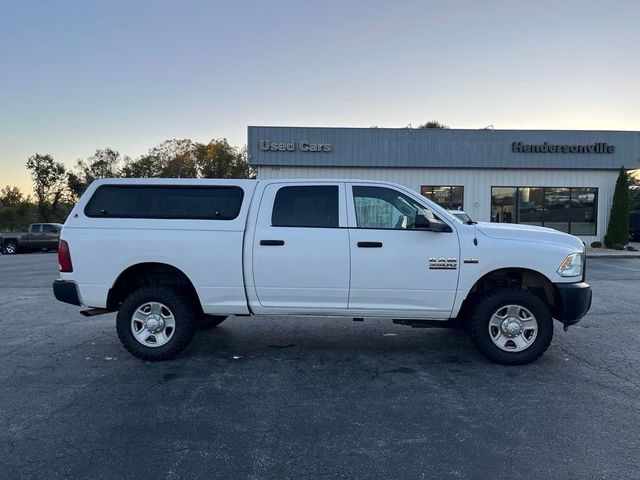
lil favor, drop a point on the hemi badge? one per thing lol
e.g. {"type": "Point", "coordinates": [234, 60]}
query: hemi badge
{"type": "Point", "coordinates": [470, 260]}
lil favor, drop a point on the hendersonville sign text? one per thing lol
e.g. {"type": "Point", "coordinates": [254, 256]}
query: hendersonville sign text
{"type": "Point", "coordinates": [598, 147]}
{"type": "Point", "coordinates": [303, 146]}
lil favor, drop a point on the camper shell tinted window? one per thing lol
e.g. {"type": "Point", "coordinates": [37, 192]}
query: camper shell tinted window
{"type": "Point", "coordinates": [166, 201]}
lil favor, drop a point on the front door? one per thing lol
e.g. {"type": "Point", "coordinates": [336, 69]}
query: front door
{"type": "Point", "coordinates": [49, 236]}
{"type": "Point", "coordinates": [301, 248]}
{"type": "Point", "coordinates": [394, 267]}
{"type": "Point", "coordinates": [36, 238]}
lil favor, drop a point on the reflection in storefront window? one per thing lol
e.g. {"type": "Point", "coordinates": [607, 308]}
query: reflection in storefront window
{"type": "Point", "coordinates": [570, 210]}
{"type": "Point", "coordinates": [583, 211]}
{"type": "Point", "coordinates": [557, 208]}
{"type": "Point", "coordinates": [503, 204]}
{"type": "Point", "coordinates": [449, 197]}
{"type": "Point", "coordinates": [531, 206]}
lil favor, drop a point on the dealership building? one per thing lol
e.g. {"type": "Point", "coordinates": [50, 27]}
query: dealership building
{"type": "Point", "coordinates": [562, 179]}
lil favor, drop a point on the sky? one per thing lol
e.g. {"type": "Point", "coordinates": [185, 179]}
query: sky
{"type": "Point", "coordinates": [80, 75]}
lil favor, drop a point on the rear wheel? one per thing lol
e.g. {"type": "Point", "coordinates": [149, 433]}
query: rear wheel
{"type": "Point", "coordinates": [156, 322]}
{"type": "Point", "coordinates": [511, 326]}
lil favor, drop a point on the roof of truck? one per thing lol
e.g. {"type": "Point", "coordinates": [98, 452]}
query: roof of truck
{"type": "Point", "coordinates": [226, 181]}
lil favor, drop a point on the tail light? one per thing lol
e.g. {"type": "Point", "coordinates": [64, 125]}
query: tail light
{"type": "Point", "coordinates": [64, 257]}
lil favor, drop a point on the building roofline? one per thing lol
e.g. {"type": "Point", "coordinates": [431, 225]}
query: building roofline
{"type": "Point", "coordinates": [413, 129]}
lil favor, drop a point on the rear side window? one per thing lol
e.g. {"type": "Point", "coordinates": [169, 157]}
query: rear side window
{"type": "Point", "coordinates": [166, 201]}
{"type": "Point", "coordinates": [314, 206]}
{"type": "Point", "coordinates": [49, 229]}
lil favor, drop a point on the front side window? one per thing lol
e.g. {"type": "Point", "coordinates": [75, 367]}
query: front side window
{"type": "Point", "coordinates": [166, 201]}
{"type": "Point", "coordinates": [380, 207]}
{"type": "Point", "coordinates": [306, 206]}
{"type": "Point", "coordinates": [35, 228]}
{"type": "Point", "coordinates": [448, 197]}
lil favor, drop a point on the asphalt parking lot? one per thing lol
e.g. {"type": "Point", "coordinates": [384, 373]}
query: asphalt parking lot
{"type": "Point", "coordinates": [268, 398]}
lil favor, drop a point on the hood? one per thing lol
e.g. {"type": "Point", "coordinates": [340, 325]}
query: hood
{"type": "Point", "coordinates": [529, 233]}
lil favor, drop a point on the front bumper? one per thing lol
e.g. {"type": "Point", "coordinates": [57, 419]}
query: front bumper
{"type": "Point", "coordinates": [572, 302]}
{"type": "Point", "coordinates": [66, 291]}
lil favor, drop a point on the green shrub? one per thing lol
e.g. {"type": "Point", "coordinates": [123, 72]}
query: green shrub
{"type": "Point", "coordinates": [618, 228]}
{"type": "Point", "coordinates": [596, 244]}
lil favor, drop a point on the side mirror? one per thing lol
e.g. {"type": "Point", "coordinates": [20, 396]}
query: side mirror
{"type": "Point", "coordinates": [422, 221]}
{"type": "Point", "coordinates": [425, 220]}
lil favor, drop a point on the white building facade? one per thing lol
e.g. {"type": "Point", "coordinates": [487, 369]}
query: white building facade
{"type": "Point", "coordinates": [558, 179]}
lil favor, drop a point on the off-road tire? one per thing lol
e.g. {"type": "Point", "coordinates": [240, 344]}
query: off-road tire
{"type": "Point", "coordinates": [183, 310]}
{"type": "Point", "coordinates": [483, 309]}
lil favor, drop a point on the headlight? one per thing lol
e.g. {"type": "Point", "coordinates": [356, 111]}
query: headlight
{"type": "Point", "coordinates": [572, 266]}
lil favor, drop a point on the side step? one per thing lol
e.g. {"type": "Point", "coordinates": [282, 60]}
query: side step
{"type": "Point", "coordinates": [413, 323]}
{"type": "Point", "coordinates": [93, 312]}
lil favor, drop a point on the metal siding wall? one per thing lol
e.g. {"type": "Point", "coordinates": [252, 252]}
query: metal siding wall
{"type": "Point", "coordinates": [438, 148]}
{"type": "Point", "coordinates": [477, 183]}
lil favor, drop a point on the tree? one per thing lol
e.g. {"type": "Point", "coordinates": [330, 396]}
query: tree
{"type": "Point", "coordinates": [49, 184]}
{"type": "Point", "coordinates": [433, 124]}
{"type": "Point", "coordinates": [11, 197]}
{"type": "Point", "coordinates": [172, 158]}
{"type": "Point", "coordinates": [171, 149]}
{"type": "Point", "coordinates": [105, 163]}
{"type": "Point", "coordinates": [618, 228]}
{"type": "Point", "coordinates": [14, 209]}
{"type": "Point", "coordinates": [181, 166]}
{"type": "Point", "coordinates": [145, 166]}
{"type": "Point", "coordinates": [218, 159]}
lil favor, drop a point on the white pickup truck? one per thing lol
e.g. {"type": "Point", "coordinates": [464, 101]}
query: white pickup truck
{"type": "Point", "coordinates": [167, 254]}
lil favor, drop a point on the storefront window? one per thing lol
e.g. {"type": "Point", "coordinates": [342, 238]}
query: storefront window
{"type": "Point", "coordinates": [449, 197]}
{"type": "Point", "coordinates": [570, 210]}
{"type": "Point", "coordinates": [583, 211]}
{"type": "Point", "coordinates": [503, 204]}
{"type": "Point", "coordinates": [531, 206]}
{"type": "Point", "coordinates": [557, 208]}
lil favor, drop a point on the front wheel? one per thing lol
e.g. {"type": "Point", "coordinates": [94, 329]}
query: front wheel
{"type": "Point", "coordinates": [156, 322]}
{"type": "Point", "coordinates": [511, 326]}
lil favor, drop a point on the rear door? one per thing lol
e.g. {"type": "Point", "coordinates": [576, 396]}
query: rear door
{"type": "Point", "coordinates": [301, 247]}
{"type": "Point", "coordinates": [395, 267]}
